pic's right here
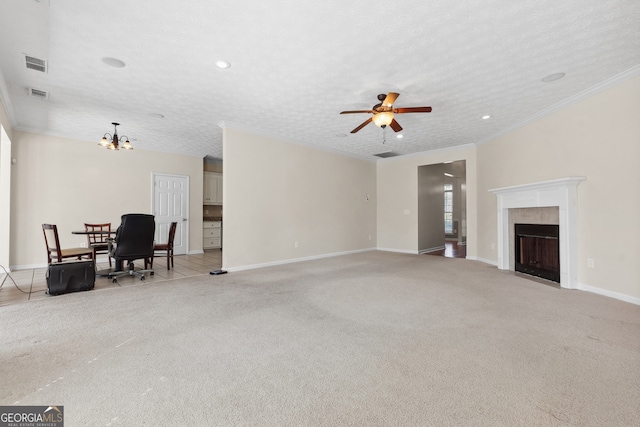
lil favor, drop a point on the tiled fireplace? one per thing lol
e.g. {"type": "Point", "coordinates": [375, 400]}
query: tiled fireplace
{"type": "Point", "coordinates": [541, 201]}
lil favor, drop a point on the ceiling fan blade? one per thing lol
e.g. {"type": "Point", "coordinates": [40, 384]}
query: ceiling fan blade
{"type": "Point", "coordinates": [366, 122]}
{"type": "Point", "coordinates": [356, 111]}
{"type": "Point", "coordinates": [390, 99]}
{"type": "Point", "coordinates": [412, 110]}
{"type": "Point", "coordinates": [395, 126]}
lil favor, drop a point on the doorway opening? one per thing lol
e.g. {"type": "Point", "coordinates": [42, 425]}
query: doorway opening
{"type": "Point", "coordinates": [451, 250]}
{"type": "Point", "coordinates": [442, 209]}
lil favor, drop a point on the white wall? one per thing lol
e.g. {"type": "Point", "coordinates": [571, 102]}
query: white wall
{"type": "Point", "coordinates": [458, 181]}
{"type": "Point", "coordinates": [277, 193]}
{"type": "Point", "coordinates": [598, 138]}
{"type": "Point", "coordinates": [5, 198]}
{"type": "Point", "coordinates": [397, 179]}
{"type": "Point", "coordinates": [69, 182]}
{"type": "Point", "coordinates": [5, 180]}
{"type": "Point", "coordinates": [431, 207]}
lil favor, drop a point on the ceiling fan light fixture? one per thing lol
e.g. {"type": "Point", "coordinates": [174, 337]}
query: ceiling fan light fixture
{"type": "Point", "coordinates": [384, 113]}
{"type": "Point", "coordinates": [383, 119]}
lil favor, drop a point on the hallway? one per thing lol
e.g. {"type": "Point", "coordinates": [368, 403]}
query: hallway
{"type": "Point", "coordinates": [451, 250]}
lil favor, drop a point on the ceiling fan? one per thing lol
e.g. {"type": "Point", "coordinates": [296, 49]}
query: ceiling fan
{"type": "Point", "coordinates": [383, 112]}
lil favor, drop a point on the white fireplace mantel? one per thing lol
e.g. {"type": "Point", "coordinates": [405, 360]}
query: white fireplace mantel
{"type": "Point", "coordinates": [557, 192]}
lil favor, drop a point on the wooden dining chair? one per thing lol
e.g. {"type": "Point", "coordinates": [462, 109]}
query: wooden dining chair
{"type": "Point", "coordinates": [57, 254]}
{"type": "Point", "coordinates": [166, 249]}
{"type": "Point", "coordinates": [98, 242]}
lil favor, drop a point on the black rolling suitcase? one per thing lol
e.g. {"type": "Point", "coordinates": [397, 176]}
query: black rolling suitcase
{"type": "Point", "coordinates": [68, 277]}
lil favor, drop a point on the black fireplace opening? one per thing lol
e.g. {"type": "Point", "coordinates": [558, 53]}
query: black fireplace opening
{"type": "Point", "coordinates": [537, 250]}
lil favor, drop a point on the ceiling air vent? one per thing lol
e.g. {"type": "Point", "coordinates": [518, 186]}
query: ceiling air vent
{"type": "Point", "coordinates": [38, 93]}
{"type": "Point", "coordinates": [34, 63]}
{"type": "Point", "coordinates": [386, 154]}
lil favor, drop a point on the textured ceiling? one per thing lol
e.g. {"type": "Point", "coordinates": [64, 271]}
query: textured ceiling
{"type": "Point", "coordinates": [295, 64]}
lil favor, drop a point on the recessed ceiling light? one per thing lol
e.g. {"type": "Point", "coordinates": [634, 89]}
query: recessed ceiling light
{"type": "Point", "coordinates": [223, 64]}
{"type": "Point", "coordinates": [553, 77]}
{"type": "Point", "coordinates": [487, 117]}
{"type": "Point", "coordinates": [448, 174]}
{"type": "Point", "coordinates": [114, 62]}
{"type": "Point", "coordinates": [399, 136]}
{"type": "Point", "coordinates": [156, 115]}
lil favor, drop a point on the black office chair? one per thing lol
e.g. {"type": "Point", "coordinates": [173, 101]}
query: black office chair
{"type": "Point", "coordinates": [134, 240]}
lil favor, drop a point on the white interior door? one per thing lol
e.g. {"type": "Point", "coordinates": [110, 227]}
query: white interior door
{"type": "Point", "coordinates": [171, 203]}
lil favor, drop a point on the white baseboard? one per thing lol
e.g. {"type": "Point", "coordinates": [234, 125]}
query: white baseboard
{"type": "Point", "coordinates": [486, 261]}
{"type": "Point", "coordinates": [196, 252]}
{"type": "Point", "coordinates": [610, 294]}
{"type": "Point", "coordinates": [28, 266]}
{"type": "Point", "coordinates": [293, 260]}
{"type": "Point", "coordinates": [400, 251]}
{"type": "Point", "coordinates": [583, 287]}
{"type": "Point", "coordinates": [426, 251]}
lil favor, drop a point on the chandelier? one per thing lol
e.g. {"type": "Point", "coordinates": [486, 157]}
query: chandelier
{"type": "Point", "coordinates": [115, 140]}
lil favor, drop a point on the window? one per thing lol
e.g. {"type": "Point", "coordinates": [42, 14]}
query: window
{"type": "Point", "coordinates": [448, 208]}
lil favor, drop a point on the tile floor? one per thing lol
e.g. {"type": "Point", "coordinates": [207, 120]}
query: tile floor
{"type": "Point", "coordinates": [31, 284]}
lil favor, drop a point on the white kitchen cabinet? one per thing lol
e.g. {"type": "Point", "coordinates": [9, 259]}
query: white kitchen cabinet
{"type": "Point", "coordinates": [212, 234]}
{"type": "Point", "coordinates": [212, 188]}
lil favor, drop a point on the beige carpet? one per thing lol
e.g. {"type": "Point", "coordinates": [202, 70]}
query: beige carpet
{"type": "Point", "coordinates": [371, 339]}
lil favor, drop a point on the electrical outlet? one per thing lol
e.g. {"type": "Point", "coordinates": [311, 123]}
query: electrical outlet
{"type": "Point", "coordinates": [407, 212]}
{"type": "Point", "coordinates": [83, 244]}
{"type": "Point", "coordinates": [493, 245]}
{"type": "Point", "coordinates": [369, 236]}
{"type": "Point", "coordinates": [591, 263]}
{"type": "Point", "coordinates": [295, 244]}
